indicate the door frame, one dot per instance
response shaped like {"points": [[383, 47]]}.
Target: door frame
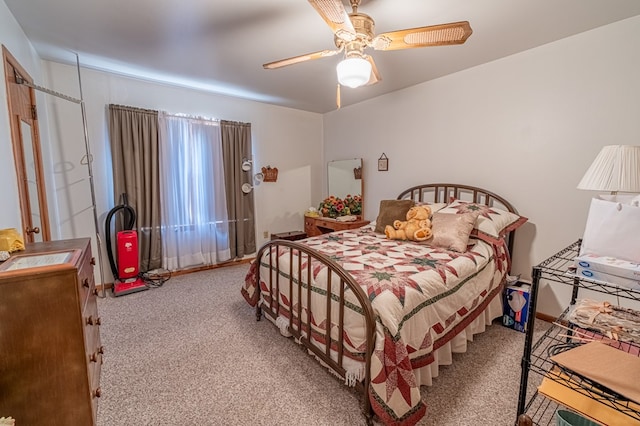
{"points": [[18, 112]]}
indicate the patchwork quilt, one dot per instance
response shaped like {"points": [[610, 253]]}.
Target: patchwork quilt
{"points": [[422, 297]]}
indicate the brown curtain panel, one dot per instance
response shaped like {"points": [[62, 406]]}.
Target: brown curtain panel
{"points": [[236, 146], [133, 133]]}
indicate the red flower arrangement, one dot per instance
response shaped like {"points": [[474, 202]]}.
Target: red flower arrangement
{"points": [[333, 206]]}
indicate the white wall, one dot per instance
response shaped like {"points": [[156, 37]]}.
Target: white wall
{"points": [[288, 139], [526, 127]]}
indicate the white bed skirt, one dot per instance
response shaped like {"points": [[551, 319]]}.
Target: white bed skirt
{"points": [[442, 355], [458, 344]]}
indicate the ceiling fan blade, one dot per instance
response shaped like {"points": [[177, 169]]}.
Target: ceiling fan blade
{"points": [[301, 58], [435, 35], [336, 16], [375, 75]]}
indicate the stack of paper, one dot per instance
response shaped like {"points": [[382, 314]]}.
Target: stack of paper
{"points": [[611, 369]]}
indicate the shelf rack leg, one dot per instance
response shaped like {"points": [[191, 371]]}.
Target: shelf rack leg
{"points": [[528, 341]]}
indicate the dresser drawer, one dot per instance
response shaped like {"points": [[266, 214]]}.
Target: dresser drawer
{"points": [[86, 280], [92, 323]]}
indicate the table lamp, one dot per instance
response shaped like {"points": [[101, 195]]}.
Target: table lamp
{"points": [[615, 169]]}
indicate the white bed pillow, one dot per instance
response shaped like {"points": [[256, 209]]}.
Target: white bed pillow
{"points": [[492, 224]]}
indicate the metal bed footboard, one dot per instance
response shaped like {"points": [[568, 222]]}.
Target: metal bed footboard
{"points": [[302, 261]]}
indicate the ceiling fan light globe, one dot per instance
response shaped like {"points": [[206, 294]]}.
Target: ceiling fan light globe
{"points": [[354, 72]]}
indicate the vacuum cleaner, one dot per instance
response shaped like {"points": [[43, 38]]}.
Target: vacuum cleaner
{"points": [[126, 266]]}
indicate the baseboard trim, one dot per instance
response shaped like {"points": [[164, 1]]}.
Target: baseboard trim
{"points": [[545, 317], [209, 267], [106, 286]]}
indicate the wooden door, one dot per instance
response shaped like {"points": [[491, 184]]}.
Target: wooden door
{"points": [[26, 151]]}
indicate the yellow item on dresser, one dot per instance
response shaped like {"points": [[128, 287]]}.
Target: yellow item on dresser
{"points": [[10, 240]]}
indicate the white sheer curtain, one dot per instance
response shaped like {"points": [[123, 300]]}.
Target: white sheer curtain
{"points": [[195, 227]]}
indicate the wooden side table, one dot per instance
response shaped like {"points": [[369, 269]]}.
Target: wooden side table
{"points": [[291, 236], [314, 226]]}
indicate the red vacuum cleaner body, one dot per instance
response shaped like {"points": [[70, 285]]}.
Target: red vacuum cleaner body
{"points": [[128, 265], [127, 249], [125, 265]]}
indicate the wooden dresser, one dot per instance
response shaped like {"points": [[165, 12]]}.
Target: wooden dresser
{"points": [[50, 350], [314, 226]]}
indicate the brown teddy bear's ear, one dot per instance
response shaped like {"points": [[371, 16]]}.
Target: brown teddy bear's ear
{"points": [[412, 212], [422, 212]]}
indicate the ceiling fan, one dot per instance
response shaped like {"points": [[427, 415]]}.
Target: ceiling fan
{"points": [[354, 32]]}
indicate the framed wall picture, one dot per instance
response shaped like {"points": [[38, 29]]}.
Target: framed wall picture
{"points": [[383, 163]]}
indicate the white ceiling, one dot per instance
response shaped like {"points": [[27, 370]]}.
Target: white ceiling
{"points": [[220, 45]]}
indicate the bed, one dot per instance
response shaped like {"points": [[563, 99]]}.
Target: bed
{"points": [[397, 309]]}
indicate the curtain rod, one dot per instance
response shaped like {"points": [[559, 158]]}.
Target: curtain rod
{"points": [[131, 108], [192, 117], [237, 123]]}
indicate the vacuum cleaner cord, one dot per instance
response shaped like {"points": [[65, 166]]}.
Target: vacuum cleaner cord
{"points": [[156, 277]]}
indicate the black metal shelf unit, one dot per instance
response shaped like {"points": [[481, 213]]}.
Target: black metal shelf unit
{"points": [[536, 355]]}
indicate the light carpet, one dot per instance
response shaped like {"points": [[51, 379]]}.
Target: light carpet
{"points": [[192, 353]]}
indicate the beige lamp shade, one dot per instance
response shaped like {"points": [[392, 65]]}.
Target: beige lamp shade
{"points": [[615, 169]]}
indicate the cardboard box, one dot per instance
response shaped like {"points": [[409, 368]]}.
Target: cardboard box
{"points": [[608, 278], [609, 270], [516, 306], [609, 265]]}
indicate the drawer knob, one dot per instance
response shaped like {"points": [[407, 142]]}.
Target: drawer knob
{"points": [[93, 261], [101, 350], [85, 282], [97, 393], [93, 357], [93, 321], [95, 292]]}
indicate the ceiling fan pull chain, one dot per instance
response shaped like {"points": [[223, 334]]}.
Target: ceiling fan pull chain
{"points": [[338, 103]]}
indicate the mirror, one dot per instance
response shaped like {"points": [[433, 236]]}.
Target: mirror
{"points": [[31, 179], [344, 177]]}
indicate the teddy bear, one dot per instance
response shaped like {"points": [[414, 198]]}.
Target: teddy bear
{"points": [[417, 227], [395, 234], [421, 212]]}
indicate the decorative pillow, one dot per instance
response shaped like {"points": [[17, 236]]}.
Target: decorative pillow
{"points": [[391, 210], [492, 224], [451, 231], [435, 207]]}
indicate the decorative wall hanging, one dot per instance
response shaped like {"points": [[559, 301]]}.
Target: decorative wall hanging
{"points": [[270, 174], [383, 163], [246, 188], [246, 165], [357, 172]]}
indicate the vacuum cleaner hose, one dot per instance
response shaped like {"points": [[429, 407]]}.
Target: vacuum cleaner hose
{"points": [[129, 220]]}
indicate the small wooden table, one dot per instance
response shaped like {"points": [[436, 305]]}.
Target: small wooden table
{"points": [[291, 236], [314, 226]]}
